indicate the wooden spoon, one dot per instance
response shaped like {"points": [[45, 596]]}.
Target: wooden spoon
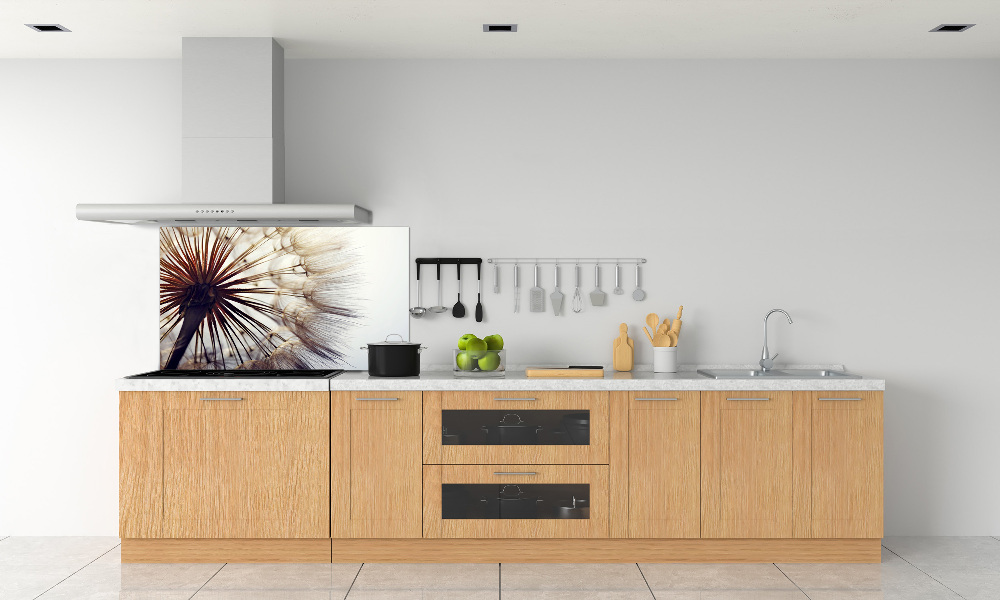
{"points": [[653, 321], [673, 338], [649, 336]]}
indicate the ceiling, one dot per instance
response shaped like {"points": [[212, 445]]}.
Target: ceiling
{"points": [[546, 28]]}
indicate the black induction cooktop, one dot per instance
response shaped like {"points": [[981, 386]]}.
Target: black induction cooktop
{"points": [[238, 374]]}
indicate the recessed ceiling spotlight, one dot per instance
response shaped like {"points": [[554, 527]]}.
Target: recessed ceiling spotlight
{"points": [[952, 27], [44, 28], [507, 27]]}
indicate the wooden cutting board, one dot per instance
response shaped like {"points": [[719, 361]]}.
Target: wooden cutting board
{"points": [[564, 372]]}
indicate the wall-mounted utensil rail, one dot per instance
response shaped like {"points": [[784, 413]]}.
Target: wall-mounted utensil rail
{"points": [[566, 261]]}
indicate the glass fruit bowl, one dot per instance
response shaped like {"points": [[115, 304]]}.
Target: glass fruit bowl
{"points": [[485, 363]]}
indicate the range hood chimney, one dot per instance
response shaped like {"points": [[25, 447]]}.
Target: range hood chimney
{"points": [[233, 128]]}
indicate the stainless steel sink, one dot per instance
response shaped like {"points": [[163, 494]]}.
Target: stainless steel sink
{"points": [[777, 374]]}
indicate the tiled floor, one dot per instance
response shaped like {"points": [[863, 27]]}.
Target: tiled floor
{"points": [[90, 569]]}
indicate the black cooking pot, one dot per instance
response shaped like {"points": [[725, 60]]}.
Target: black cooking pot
{"points": [[393, 359]]}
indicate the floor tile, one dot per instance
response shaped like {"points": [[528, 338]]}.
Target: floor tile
{"points": [[840, 577], [271, 594], [426, 582], [335, 577], [137, 577], [565, 581], [971, 584], [24, 582], [665, 577], [957, 552], [63, 551]]}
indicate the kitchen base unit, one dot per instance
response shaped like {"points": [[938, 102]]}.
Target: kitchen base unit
{"points": [[436, 469]]}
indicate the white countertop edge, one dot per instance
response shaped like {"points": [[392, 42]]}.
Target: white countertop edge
{"points": [[640, 379]]}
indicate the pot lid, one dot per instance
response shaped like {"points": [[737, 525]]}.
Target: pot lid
{"points": [[399, 342]]}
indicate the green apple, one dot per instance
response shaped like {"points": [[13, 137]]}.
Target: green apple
{"points": [[490, 361], [465, 361], [494, 342], [462, 341], [476, 347]]}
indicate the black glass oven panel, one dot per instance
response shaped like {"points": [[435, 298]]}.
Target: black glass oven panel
{"points": [[515, 427], [515, 501]]}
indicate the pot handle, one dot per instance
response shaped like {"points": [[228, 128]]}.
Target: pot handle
{"points": [[421, 348], [394, 334]]}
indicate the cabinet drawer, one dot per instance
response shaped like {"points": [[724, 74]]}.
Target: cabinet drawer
{"points": [[238, 400], [516, 427], [515, 501]]}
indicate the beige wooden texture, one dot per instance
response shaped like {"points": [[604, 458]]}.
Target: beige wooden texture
{"points": [[225, 550], [594, 527], [664, 465], [257, 467], [595, 453], [746, 465], [618, 475], [847, 464], [594, 550], [569, 373], [140, 466], [801, 465], [385, 480]]}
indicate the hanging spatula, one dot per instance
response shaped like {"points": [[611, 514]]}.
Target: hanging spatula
{"points": [[557, 296], [597, 297], [536, 296]]}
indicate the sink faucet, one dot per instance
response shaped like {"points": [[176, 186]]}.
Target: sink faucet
{"points": [[766, 360]]}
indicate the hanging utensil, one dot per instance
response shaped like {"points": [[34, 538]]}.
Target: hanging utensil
{"points": [[597, 297], [536, 295], [618, 287], [459, 310], [418, 310], [577, 296], [557, 296], [638, 295], [440, 308], [496, 279], [517, 288], [479, 297]]}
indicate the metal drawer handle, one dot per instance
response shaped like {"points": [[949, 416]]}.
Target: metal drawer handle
{"points": [[656, 399], [377, 399], [757, 399], [225, 399], [515, 399], [514, 473], [839, 399]]}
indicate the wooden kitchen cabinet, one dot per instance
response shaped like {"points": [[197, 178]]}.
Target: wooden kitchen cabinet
{"points": [[839, 488], [376, 478], [224, 464], [664, 447], [746, 465]]}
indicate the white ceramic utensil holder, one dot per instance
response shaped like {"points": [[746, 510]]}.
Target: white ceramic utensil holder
{"points": [[664, 359]]}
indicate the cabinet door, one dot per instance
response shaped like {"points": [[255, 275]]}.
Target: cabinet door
{"points": [[246, 465], [140, 468], [376, 465], [746, 446], [847, 464], [663, 458]]}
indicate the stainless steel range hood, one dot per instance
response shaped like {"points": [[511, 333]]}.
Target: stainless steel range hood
{"points": [[233, 168]]}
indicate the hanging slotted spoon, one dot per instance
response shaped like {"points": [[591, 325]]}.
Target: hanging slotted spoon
{"points": [[439, 308]]}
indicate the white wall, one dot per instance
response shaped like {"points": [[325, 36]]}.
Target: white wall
{"points": [[858, 195]]}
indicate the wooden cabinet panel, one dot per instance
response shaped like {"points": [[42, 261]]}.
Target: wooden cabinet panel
{"points": [[663, 460], [746, 459], [596, 452], [497, 476], [140, 469], [376, 466], [246, 465], [847, 464]]}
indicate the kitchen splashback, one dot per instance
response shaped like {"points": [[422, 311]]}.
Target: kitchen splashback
{"points": [[280, 298]]}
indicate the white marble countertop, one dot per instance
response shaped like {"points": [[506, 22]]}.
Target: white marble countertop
{"points": [[640, 379]]}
